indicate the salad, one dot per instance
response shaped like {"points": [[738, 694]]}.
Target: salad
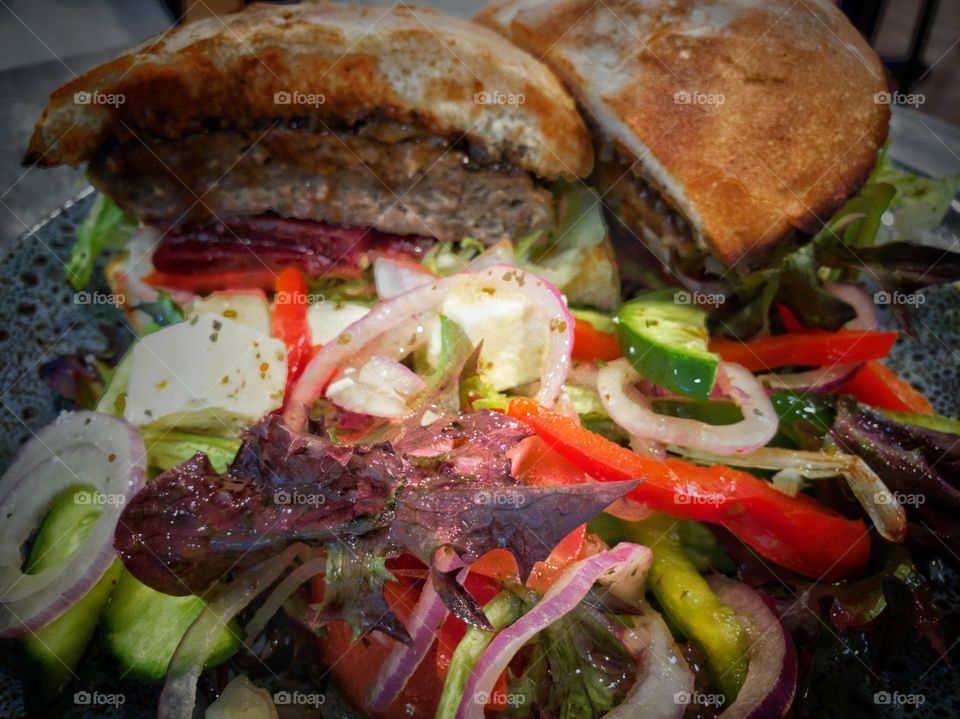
{"points": [[460, 495]]}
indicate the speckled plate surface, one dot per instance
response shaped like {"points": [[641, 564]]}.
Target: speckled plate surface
{"points": [[43, 319]]}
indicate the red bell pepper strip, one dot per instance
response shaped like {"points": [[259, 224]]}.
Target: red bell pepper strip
{"points": [[204, 282], [591, 344], [810, 349], [790, 322], [288, 321], [878, 386], [795, 532]]}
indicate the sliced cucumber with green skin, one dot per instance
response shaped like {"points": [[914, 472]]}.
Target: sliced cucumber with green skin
{"points": [[52, 652], [666, 342], [142, 628]]}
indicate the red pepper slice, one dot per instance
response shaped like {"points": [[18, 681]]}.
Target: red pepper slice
{"points": [[810, 349], [205, 282], [879, 386], [288, 321], [795, 532], [590, 344]]}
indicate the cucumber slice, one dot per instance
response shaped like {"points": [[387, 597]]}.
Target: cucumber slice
{"points": [[52, 652], [666, 342], [142, 628]]}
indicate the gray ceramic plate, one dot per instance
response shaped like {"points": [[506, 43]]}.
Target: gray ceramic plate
{"points": [[43, 320]]}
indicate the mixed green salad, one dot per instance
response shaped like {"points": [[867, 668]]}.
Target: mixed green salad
{"points": [[483, 481]]}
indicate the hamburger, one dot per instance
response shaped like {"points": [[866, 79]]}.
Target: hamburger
{"points": [[725, 131], [317, 136]]}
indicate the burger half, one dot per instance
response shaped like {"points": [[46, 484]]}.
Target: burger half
{"points": [[317, 136], [728, 134]]}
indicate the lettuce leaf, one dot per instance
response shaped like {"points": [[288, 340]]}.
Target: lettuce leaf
{"points": [[105, 227], [920, 203]]}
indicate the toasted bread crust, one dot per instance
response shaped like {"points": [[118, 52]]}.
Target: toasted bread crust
{"points": [[404, 63], [782, 122]]}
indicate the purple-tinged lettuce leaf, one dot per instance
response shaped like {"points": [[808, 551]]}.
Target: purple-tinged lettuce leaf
{"points": [[188, 527], [81, 377], [920, 466], [353, 587], [364, 503], [527, 521]]}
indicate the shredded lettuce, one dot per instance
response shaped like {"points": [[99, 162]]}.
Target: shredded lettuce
{"points": [[105, 227]]}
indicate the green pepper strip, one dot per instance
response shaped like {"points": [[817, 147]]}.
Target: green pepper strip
{"points": [[502, 610], [691, 605]]}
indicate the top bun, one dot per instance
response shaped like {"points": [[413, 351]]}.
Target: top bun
{"points": [[754, 119], [333, 63]]}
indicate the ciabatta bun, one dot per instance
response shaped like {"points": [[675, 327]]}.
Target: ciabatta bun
{"points": [[402, 63], [755, 119]]}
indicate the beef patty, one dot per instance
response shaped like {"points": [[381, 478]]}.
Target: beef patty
{"points": [[393, 178]]}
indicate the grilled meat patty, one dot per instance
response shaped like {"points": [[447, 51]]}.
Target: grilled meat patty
{"points": [[393, 178]]}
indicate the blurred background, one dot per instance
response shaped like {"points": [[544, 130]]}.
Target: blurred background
{"points": [[45, 43]]}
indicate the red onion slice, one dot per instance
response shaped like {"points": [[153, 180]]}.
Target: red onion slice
{"points": [[291, 583], [544, 300], [633, 412], [179, 693], [404, 659], [566, 593], [382, 387], [393, 278], [861, 301], [663, 673], [80, 448], [771, 681], [823, 380], [498, 254]]}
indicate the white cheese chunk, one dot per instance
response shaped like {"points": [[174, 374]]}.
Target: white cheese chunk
{"points": [[249, 308], [209, 373], [514, 337], [328, 320]]}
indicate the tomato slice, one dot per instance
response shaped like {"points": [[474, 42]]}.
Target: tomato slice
{"points": [[483, 589], [796, 532], [879, 386]]}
